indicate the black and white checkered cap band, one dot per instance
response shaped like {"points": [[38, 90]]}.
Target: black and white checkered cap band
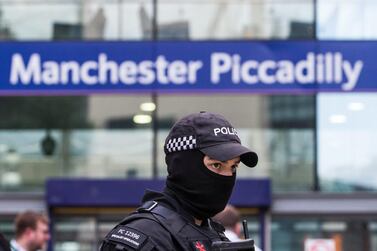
{"points": [[181, 144]]}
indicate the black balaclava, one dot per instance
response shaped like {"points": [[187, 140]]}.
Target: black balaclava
{"points": [[202, 192]]}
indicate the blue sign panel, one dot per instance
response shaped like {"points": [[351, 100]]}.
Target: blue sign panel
{"points": [[128, 193], [166, 66]]}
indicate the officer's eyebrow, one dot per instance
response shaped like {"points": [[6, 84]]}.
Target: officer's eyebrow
{"points": [[223, 162], [213, 159], [237, 162]]}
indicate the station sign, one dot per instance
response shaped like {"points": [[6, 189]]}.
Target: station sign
{"points": [[187, 66]]}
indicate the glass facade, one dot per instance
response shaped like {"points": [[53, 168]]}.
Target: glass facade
{"points": [[73, 20], [322, 143], [89, 137], [77, 232], [97, 137], [345, 234], [132, 20], [347, 19], [346, 132], [346, 124]]}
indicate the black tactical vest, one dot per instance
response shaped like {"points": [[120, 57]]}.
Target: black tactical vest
{"points": [[185, 235]]}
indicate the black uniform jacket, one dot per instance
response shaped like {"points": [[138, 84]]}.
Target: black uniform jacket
{"points": [[162, 224]]}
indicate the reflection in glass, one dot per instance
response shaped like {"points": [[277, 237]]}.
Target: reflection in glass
{"points": [[293, 234], [44, 137], [75, 234], [346, 19], [23, 165], [235, 19], [347, 155], [79, 153], [278, 128], [71, 20], [291, 159], [132, 20]]}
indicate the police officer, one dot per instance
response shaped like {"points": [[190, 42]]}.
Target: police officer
{"points": [[203, 152]]}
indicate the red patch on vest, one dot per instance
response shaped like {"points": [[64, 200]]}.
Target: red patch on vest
{"points": [[200, 246]]}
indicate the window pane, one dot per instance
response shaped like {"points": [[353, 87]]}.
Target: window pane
{"points": [[346, 19], [372, 226], [73, 231], [127, 19], [28, 20], [231, 19], [284, 143], [292, 156], [294, 234], [73, 20], [76, 234], [93, 136], [7, 226], [346, 138], [96, 136]]}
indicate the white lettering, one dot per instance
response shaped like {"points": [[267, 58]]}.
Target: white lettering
{"points": [[106, 68], [245, 72], [320, 69], [194, 67], [177, 72], [103, 71], [128, 72], [327, 68], [236, 69], [147, 75], [50, 73], [263, 72], [21, 73], [330, 68], [305, 70], [161, 65], [220, 63], [216, 131], [132, 234], [225, 131], [352, 74], [338, 67], [125, 238], [85, 75], [67, 68], [285, 71]]}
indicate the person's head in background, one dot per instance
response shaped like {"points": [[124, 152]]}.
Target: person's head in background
{"points": [[32, 230], [230, 218]]}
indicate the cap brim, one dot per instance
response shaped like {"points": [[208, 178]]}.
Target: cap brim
{"points": [[227, 151]]}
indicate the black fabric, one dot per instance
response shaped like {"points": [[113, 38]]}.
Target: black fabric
{"points": [[148, 223], [168, 200], [201, 192]]}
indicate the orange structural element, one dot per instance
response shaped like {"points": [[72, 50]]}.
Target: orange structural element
{"points": [[338, 242]]}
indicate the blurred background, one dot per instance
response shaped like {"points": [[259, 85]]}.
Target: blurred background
{"points": [[317, 150]]}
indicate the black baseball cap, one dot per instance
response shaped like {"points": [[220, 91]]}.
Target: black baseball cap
{"points": [[210, 133]]}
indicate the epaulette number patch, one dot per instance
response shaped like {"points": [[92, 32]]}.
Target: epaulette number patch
{"points": [[128, 236]]}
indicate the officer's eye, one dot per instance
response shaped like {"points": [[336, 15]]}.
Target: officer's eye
{"points": [[216, 165], [234, 168]]}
